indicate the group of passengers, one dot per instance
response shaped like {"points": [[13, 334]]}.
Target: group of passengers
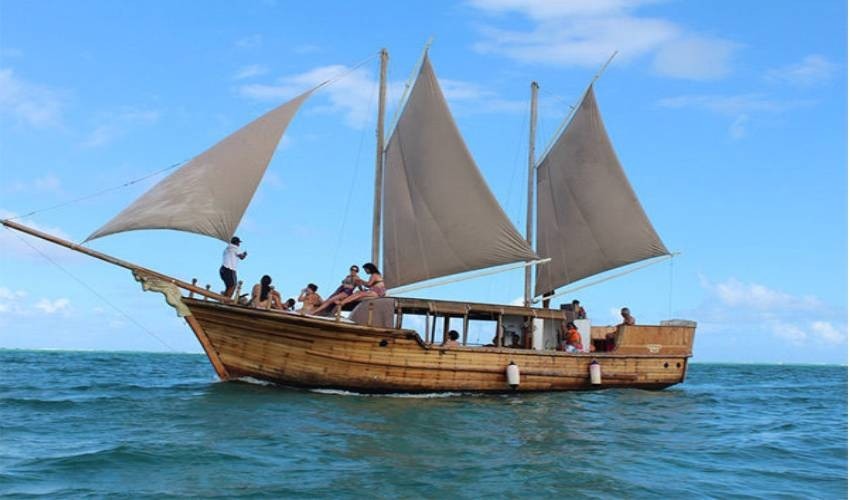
{"points": [[263, 295]]}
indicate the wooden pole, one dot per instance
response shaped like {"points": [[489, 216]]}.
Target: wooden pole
{"points": [[465, 325], [446, 329], [110, 259], [529, 211], [379, 160]]}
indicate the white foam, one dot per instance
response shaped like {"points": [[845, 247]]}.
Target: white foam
{"points": [[426, 395]]}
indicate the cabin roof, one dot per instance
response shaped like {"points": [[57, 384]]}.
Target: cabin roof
{"points": [[474, 310]]}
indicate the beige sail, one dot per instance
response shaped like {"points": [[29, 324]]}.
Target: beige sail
{"points": [[209, 194], [440, 217], [588, 217]]}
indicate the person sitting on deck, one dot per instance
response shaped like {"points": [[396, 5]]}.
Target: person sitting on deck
{"points": [[289, 305], [572, 338], [264, 296], [349, 284], [310, 299], [375, 287], [578, 311], [628, 319], [452, 342]]}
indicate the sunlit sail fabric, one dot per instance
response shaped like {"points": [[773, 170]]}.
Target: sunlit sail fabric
{"points": [[588, 217], [440, 217], [209, 194]]}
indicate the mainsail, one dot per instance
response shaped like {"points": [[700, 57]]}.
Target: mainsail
{"points": [[440, 217], [210, 193], [588, 217]]}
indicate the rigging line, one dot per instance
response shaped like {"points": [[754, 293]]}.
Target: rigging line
{"points": [[486, 272], [98, 193], [556, 96], [407, 86], [345, 73], [670, 292], [569, 117], [175, 165], [93, 291], [354, 177], [509, 197], [658, 260]]}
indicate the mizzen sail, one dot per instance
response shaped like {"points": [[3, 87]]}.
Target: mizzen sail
{"points": [[209, 194], [440, 218], [588, 217]]}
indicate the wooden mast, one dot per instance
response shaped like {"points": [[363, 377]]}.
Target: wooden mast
{"points": [[112, 260], [379, 160], [529, 221]]}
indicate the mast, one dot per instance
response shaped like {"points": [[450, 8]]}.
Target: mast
{"points": [[379, 159], [529, 224]]}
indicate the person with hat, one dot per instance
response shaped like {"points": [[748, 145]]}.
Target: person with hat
{"points": [[230, 258]]}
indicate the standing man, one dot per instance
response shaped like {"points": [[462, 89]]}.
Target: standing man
{"points": [[228, 266]]}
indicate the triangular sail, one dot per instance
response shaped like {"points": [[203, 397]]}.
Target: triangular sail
{"points": [[588, 217], [210, 193], [440, 218]]}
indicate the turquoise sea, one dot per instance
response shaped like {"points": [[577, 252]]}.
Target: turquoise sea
{"points": [[96, 424]]}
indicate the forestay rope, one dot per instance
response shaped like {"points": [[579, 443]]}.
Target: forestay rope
{"points": [[92, 290]]}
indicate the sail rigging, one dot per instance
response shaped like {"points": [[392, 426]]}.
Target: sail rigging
{"points": [[210, 193], [439, 216], [589, 219]]}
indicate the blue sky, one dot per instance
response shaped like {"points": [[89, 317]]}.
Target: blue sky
{"points": [[730, 122]]}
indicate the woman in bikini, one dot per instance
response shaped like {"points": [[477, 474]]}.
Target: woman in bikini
{"points": [[310, 299], [375, 287], [349, 283], [264, 296]]}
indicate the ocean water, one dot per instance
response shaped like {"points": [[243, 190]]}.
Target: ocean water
{"points": [[91, 425]]}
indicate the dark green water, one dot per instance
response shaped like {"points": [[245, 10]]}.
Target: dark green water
{"points": [[76, 424]]}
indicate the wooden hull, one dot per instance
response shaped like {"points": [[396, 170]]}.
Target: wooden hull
{"points": [[301, 351]]}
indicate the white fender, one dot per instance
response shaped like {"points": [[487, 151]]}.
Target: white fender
{"points": [[595, 373], [512, 372]]}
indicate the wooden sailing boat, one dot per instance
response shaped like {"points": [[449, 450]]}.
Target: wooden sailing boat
{"points": [[439, 219]]}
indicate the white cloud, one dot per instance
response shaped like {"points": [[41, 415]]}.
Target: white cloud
{"points": [[48, 306], [812, 70], [353, 95], [250, 42], [731, 105], [581, 33], [250, 71], [113, 125], [738, 128], [734, 293], [695, 58], [36, 105], [739, 307], [14, 302], [740, 107]]}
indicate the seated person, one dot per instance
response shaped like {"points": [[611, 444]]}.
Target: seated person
{"points": [[310, 299], [628, 319], [349, 284], [452, 342], [571, 338], [579, 311], [515, 341], [264, 296], [289, 305], [375, 287]]}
